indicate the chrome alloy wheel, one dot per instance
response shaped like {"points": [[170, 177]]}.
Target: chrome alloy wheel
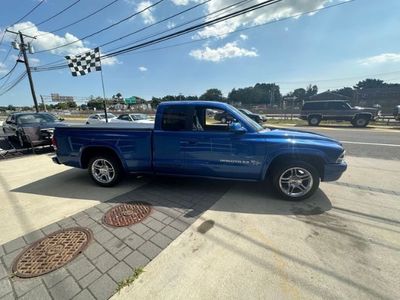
{"points": [[296, 182], [103, 171]]}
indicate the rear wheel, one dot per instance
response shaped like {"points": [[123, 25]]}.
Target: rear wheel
{"points": [[295, 180], [314, 120], [223, 120], [105, 170]]}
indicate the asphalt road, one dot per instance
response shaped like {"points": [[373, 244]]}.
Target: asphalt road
{"points": [[367, 142]]}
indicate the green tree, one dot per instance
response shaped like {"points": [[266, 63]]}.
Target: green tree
{"points": [[346, 91], [212, 95], [311, 90], [155, 102], [370, 83]]}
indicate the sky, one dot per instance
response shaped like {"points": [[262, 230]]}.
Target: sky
{"points": [[331, 48]]}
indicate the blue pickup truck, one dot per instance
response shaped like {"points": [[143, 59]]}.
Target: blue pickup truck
{"points": [[186, 140]]}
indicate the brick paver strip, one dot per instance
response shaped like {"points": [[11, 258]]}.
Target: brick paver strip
{"points": [[113, 253]]}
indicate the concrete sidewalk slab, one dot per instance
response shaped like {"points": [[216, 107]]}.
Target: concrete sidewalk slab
{"points": [[343, 243], [35, 192]]}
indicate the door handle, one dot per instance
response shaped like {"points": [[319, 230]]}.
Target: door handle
{"points": [[191, 142]]}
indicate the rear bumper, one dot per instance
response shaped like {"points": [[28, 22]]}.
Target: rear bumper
{"points": [[55, 160], [333, 172]]}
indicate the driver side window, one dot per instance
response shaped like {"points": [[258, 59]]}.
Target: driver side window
{"points": [[216, 119]]}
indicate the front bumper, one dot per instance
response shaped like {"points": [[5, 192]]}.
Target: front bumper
{"points": [[333, 172]]}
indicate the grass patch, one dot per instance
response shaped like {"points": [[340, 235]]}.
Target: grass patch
{"points": [[128, 281]]}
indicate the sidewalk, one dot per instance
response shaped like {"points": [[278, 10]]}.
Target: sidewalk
{"points": [[340, 244]]}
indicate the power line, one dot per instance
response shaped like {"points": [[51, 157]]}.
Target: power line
{"points": [[105, 28], [229, 7], [9, 72], [28, 13], [20, 19], [55, 67], [192, 28], [195, 27], [14, 84], [81, 19], [53, 16]]}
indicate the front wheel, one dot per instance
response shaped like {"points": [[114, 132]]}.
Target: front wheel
{"points": [[105, 170], [314, 120], [296, 180], [360, 122]]}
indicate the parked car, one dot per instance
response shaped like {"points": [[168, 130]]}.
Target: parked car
{"points": [[396, 112], [29, 127], [100, 118], [184, 142], [256, 117], [338, 110], [223, 117], [133, 117]]}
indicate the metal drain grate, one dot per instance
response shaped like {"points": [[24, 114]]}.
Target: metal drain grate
{"points": [[52, 252], [127, 214]]}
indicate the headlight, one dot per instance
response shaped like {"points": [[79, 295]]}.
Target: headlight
{"points": [[341, 158]]}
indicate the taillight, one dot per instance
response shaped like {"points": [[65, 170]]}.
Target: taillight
{"points": [[54, 142]]}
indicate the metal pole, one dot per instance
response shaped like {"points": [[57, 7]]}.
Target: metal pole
{"points": [[28, 70], [104, 92], [44, 105]]}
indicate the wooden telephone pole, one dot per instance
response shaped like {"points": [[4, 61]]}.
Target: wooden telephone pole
{"points": [[23, 47]]}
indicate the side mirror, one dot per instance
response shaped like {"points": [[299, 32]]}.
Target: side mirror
{"points": [[236, 127], [61, 119]]}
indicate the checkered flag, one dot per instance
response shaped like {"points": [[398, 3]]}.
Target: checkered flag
{"points": [[84, 63]]}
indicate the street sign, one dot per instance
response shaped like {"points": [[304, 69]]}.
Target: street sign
{"points": [[131, 100], [55, 97]]}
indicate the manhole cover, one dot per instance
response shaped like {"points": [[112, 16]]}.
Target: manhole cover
{"points": [[127, 214], [52, 252]]}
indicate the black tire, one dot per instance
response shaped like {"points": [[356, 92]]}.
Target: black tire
{"points": [[20, 140], [111, 160], [281, 169], [360, 121], [314, 120]]}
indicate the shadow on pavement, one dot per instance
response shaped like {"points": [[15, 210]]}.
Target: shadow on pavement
{"points": [[74, 183], [192, 194]]}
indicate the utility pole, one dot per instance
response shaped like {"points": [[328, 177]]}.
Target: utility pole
{"points": [[44, 105], [23, 47]]}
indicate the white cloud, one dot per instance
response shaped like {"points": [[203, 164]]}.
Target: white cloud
{"points": [[170, 25], [45, 40], [3, 68], [49, 40], [243, 37], [34, 61], [147, 15], [142, 69], [229, 50], [181, 2], [273, 12], [381, 59]]}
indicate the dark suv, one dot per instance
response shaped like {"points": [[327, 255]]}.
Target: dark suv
{"points": [[338, 110]]}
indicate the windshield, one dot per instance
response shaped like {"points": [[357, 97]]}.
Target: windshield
{"points": [[246, 111], [251, 122], [139, 117], [109, 115], [36, 118]]}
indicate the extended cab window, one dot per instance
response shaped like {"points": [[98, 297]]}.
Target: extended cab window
{"points": [[174, 119], [214, 119]]}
